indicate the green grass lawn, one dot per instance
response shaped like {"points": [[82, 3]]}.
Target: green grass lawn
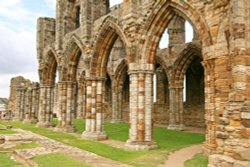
{"points": [[6, 161], [33, 144], [198, 160], [7, 131], [53, 160], [167, 141]]}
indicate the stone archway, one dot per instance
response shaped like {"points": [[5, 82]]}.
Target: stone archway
{"points": [[47, 74], [67, 88], [106, 38]]}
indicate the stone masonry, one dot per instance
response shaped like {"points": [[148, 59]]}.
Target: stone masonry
{"points": [[107, 62]]}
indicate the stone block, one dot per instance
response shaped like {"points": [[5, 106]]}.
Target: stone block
{"points": [[244, 153], [226, 164], [222, 135], [235, 123], [245, 115], [241, 164], [214, 159], [246, 123]]}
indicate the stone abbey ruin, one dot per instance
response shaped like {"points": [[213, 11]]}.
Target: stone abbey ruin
{"points": [[101, 63]]}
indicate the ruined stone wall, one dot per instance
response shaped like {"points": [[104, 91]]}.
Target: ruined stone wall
{"points": [[15, 83]]}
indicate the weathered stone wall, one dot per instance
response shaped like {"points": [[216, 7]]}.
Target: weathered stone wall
{"points": [[15, 83]]}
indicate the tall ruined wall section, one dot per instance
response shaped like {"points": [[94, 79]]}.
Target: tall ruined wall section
{"points": [[15, 84]]}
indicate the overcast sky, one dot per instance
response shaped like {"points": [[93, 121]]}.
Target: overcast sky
{"points": [[18, 38]]}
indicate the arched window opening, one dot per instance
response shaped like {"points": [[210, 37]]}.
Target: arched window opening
{"points": [[124, 104], [189, 32], [194, 95], [164, 42], [108, 90], [115, 2], [161, 96], [78, 16]]}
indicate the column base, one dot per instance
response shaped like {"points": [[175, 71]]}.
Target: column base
{"points": [[141, 146], [95, 135], [67, 129], [209, 149], [44, 124], [176, 127]]}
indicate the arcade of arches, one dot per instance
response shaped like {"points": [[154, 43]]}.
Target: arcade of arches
{"points": [[101, 63]]}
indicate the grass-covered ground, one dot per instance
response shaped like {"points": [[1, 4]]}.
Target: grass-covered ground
{"points": [[53, 160], [167, 141], [6, 161], [198, 160], [7, 131]]}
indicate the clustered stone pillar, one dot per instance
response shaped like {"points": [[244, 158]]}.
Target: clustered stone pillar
{"points": [[116, 104], [45, 116], [27, 105], [66, 106], [35, 103], [176, 108], [31, 103], [81, 101], [94, 109], [19, 113], [141, 101]]}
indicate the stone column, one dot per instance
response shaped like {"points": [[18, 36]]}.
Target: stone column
{"points": [[22, 104], [35, 103], [94, 109], [140, 106], [28, 105], [116, 104], [45, 116], [66, 106], [176, 108], [17, 104], [80, 101]]}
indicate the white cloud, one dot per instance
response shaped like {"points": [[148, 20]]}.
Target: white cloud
{"points": [[9, 3], [18, 41]]}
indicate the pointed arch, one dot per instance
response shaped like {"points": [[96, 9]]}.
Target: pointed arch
{"points": [[182, 63], [161, 16], [47, 71], [161, 61], [120, 72], [104, 42], [72, 55]]}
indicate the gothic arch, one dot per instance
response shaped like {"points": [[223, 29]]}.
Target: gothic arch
{"points": [[120, 72], [47, 71], [72, 55], [105, 39], [162, 14], [182, 63], [163, 64]]}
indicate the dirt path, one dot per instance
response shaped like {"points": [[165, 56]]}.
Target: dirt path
{"points": [[177, 158]]}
